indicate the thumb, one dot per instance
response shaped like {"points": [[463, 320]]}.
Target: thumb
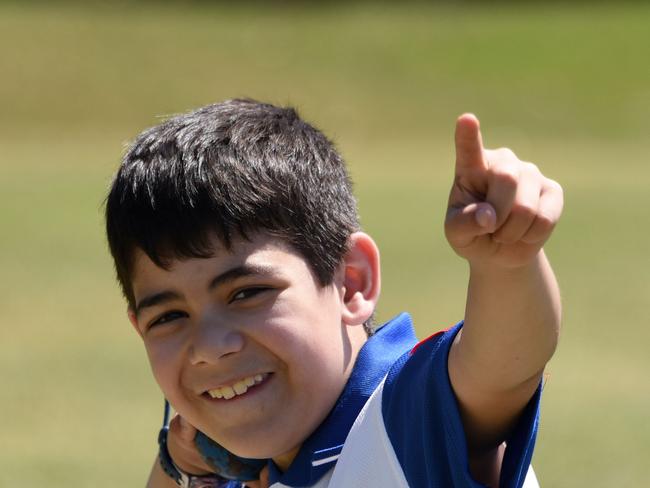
{"points": [[464, 224]]}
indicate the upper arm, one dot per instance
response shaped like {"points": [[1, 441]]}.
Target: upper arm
{"points": [[489, 416], [427, 428]]}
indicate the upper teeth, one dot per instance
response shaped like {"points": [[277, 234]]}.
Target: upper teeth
{"points": [[238, 388]]}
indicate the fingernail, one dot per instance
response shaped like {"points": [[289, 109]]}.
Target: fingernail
{"points": [[484, 216]]}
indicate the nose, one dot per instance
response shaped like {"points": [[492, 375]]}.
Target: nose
{"points": [[214, 339]]}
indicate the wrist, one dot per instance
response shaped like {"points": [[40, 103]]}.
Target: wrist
{"points": [[487, 267]]}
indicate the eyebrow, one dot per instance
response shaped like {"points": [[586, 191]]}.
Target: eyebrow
{"points": [[227, 276], [155, 299]]}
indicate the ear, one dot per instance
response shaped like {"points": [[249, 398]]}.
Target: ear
{"points": [[134, 320], [361, 279]]}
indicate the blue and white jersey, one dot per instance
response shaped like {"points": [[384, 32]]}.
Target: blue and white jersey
{"points": [[397, 424]]}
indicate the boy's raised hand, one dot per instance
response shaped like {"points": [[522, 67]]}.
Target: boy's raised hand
{"points": [[501, 210]]}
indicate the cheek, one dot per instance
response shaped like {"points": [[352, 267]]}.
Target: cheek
{"points": [[299, 334], [313, 351], [165, 360]]}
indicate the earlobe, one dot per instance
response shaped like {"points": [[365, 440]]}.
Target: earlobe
{"points": [[361, 279]]}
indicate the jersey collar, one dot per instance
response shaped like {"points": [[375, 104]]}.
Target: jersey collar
{"points": [[322, 448]]}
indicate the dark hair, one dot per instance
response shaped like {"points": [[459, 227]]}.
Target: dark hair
{"points": [[230, 170]]}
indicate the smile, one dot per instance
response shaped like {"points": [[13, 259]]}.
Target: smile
{"points": [[239, 388]]}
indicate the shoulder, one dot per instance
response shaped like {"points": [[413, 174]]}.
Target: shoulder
{"points": [[423, 365], [422, 420]]}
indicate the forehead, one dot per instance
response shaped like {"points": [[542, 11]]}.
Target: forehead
{"points": [[270, 255]]}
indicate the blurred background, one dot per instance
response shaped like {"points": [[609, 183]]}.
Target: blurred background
{"points": [[566, 85]]}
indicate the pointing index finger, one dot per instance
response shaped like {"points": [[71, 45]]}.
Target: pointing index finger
{"points": [[469, 145]]}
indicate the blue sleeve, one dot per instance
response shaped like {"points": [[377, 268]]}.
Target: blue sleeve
{"points": [[424, 426]]}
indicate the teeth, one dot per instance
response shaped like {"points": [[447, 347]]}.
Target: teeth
{"points": [[228, 392], [216, 393], [239, 388]]}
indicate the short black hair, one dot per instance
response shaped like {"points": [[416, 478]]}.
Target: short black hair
{"points": [[230, 169]]}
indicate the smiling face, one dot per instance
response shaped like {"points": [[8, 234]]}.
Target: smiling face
{"points": [[246, 345]]}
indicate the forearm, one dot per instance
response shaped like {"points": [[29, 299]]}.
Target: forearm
{"points": [[158, 478], [512, 323], [501, 212]]}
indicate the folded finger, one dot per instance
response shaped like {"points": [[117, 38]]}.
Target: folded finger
{"points": [[181, 427], [551, 202], [524, 207], [503, 179]]}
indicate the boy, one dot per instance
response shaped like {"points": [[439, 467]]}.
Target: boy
{"points": [[237, 245]]}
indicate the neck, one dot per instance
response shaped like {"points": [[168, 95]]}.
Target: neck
{"points": [[283, 461]]}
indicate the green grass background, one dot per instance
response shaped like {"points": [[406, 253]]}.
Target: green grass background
{"points": [[567, 87]]}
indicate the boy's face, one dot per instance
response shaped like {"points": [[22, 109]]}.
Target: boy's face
{"points": [[254, 316]]}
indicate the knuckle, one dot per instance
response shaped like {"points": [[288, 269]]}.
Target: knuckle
{"points": [[555, 186], [524, 211], [544, 223], [176, 431], [531, 168], [175, 423], [506, 152]]}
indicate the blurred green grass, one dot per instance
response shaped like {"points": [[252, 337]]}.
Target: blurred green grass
{"points": [[565, 86]]}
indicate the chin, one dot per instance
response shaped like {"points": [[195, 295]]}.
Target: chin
{"points": [[254, 450], [246, 447]]}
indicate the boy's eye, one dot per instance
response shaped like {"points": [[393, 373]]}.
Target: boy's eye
{"points": [[168, 317], [245, 293]]}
